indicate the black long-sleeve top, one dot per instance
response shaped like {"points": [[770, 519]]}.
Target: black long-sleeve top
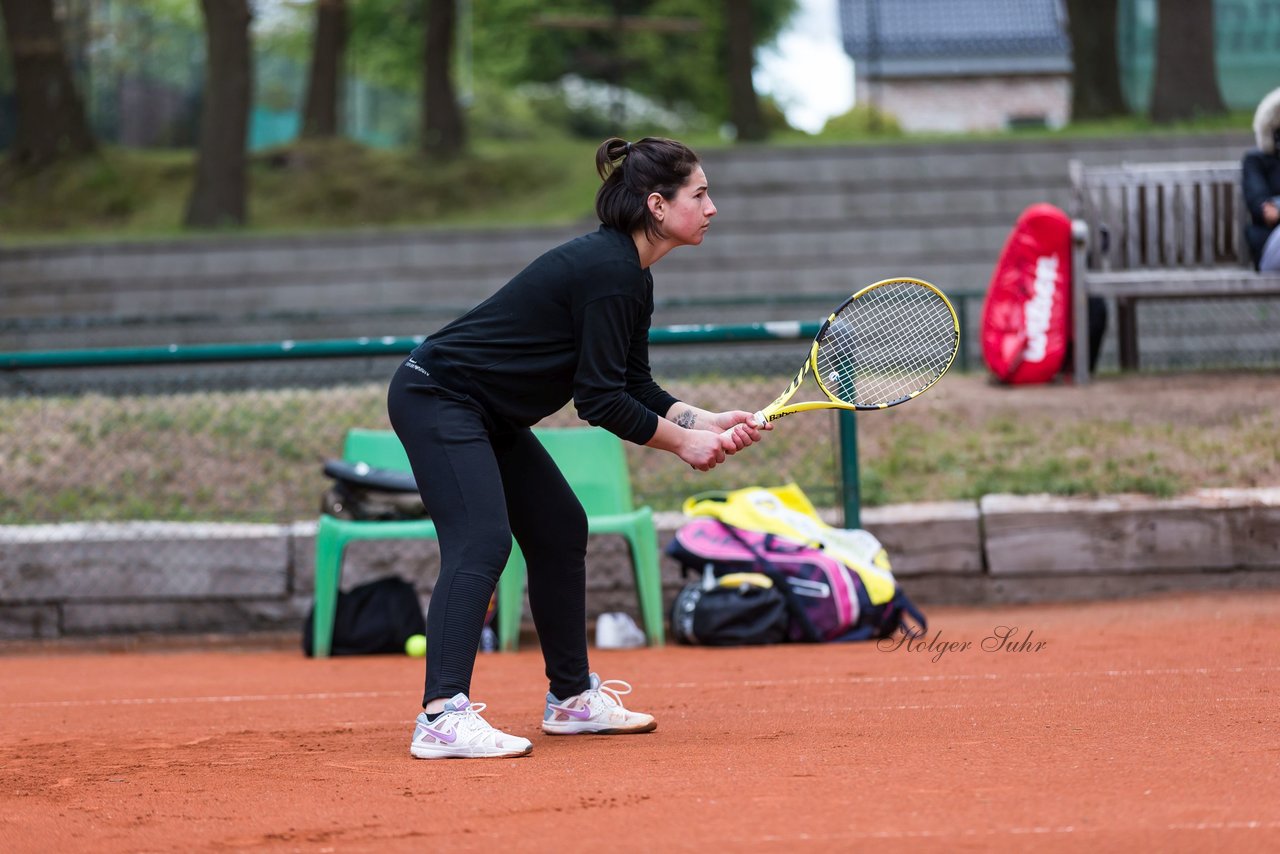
{"points": [[1259, 182], [573, 325]]}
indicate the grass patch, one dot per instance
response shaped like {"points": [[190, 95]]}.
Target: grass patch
{"points": [[305, 187], [257, 456], [999, 453]]}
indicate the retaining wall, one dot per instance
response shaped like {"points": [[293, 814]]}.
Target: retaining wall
{"points": [[95, 579]]}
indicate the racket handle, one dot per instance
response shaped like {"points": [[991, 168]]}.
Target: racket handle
{"points": [[760, 419]]}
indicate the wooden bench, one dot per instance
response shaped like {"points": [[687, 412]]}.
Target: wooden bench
{"points": [[1156, 231]]}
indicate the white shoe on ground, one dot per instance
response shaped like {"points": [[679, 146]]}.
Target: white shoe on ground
{"points": [[460, 733], [616, 630], [597, 710]]}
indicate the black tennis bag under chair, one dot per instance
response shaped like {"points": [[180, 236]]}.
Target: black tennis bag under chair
{"points": [[373, 618], [364, 493], [716, 613]]}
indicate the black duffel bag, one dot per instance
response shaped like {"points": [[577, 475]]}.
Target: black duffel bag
{"points": [[738, 615], [372, 618]]}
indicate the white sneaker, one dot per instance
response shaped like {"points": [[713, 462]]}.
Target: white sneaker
{"points": [[597, 710], [460, 733], [616, 630]]}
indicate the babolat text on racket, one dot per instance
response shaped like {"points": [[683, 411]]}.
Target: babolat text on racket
{"points": [[888, 343]]}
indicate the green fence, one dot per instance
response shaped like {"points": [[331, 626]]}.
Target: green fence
{"points": [[174, 487], [239, 433]]}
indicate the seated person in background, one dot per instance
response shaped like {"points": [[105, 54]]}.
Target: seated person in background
{"points": [[1260, 182]]}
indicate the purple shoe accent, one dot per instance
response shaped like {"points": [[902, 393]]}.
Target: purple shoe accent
{"points": [[444, 737], [579, 714]]}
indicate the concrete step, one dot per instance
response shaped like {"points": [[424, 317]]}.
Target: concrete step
{"points": [[970, 162], [84, 267], [820, 219], [739, 209]]}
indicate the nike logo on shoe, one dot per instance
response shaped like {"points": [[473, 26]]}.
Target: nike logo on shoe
{"points": [[578, 714], [446, 737]]}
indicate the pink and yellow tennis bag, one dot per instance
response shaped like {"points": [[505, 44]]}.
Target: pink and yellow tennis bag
{"points": [[838, 582]]}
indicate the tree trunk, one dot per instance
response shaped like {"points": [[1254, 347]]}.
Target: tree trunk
{"points": [[1186, 83], [442, 129], [51, 115], [744, 105], [320, 117], [1095, 72], [219, 197]]}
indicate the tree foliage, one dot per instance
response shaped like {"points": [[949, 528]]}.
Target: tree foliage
{"points": [[512, 42], [676, 68], [386, 39]]}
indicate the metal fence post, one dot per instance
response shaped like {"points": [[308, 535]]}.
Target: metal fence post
{"points": [[849, 468]]}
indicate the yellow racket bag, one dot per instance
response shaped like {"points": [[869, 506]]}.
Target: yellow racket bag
{"points": [[839, 581]]}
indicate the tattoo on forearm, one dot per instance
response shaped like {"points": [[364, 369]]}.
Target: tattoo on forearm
{"points": [[686, 419]]}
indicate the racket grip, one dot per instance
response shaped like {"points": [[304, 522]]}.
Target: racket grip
{"points": [[760, 419]]}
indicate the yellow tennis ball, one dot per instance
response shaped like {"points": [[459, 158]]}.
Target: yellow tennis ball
{"points": [[416, 646]]}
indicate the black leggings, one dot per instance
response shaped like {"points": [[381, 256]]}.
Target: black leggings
{"points": [[482, 485]]}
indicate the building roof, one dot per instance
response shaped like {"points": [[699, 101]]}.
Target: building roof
{"points": [[913, 38]]}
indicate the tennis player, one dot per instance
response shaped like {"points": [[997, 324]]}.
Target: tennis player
{"points": [[573, 325]]}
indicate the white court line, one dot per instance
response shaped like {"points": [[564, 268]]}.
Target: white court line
{"points": [[1038, 703], [702, 684], [226, 698], [962, 677], [1215, 826], [1228, 825]]}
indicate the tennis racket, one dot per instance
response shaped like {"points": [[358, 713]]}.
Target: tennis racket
{"points": [[888, 343]]}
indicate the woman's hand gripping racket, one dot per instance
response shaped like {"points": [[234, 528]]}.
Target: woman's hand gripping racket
{"points": [[886, 344]]}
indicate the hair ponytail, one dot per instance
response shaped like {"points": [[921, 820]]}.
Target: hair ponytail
{"points": [[610, 154]]}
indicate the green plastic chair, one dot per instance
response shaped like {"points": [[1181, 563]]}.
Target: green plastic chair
{"points": [[594, 462], [380, 449]]}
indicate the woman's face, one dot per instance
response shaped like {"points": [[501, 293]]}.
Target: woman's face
{"points": [[685, 218]]}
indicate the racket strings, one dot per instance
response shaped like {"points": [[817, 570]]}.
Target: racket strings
{"points": [[888, 344]]}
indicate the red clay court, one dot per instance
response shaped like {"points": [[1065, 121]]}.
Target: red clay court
{"points": [[1138, 725]]}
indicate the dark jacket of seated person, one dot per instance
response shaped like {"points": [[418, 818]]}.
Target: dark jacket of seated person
{"points": [[1260, 183]]}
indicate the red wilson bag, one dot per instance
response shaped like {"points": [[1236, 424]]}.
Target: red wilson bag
{"points": [[1026, 319]]}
